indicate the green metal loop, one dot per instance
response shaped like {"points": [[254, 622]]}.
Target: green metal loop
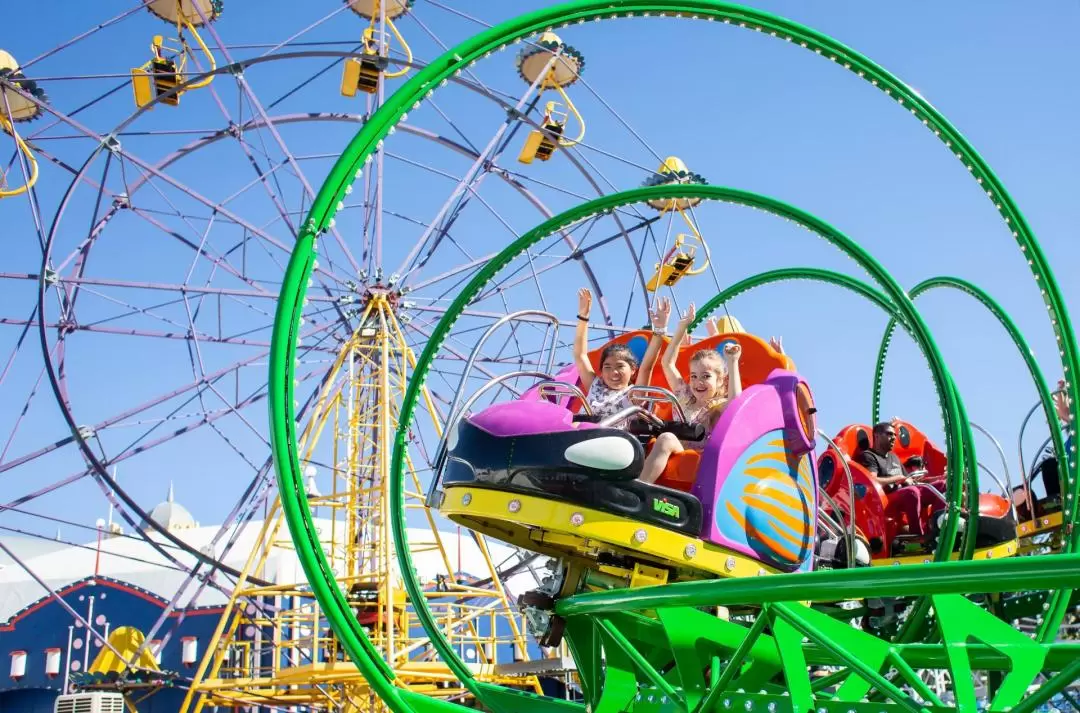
{"points": [[1026, 352], [605, 204]]}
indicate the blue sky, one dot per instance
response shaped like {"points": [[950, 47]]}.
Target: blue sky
{"points": [[743, 110]]}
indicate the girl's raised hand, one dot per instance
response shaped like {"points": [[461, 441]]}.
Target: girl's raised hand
{"points": [[584, 301], [660, 316], [777, 344], [1061, 402], [689, 315], [733, 350]]}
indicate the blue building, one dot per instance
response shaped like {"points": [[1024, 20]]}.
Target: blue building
{"points": [[116, 580], [120, 580]]}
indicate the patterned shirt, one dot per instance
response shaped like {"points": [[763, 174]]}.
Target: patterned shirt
{"points": [[605, 401]]}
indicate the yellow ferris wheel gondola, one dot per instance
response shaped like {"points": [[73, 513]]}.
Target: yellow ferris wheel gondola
{"points": [[165, 70], [362, 73], [550, 63], [679, 262], [16, 108]]}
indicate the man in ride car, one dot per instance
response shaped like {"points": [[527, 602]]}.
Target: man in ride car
{"points": [[883, 464], [880, 459]]}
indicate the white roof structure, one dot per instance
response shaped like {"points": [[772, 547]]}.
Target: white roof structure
{"points": [[172, 515], [131, 559]]}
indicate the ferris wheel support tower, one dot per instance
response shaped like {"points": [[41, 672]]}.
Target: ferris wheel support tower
{"points": [[272, 643]]}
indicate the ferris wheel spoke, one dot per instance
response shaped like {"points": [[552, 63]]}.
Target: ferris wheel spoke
{"points": [[468, 180], [292, 38], [66, 326], [199, 371], [622, 122], [81, 255], [45, 490], [160, 286], [146, 167], [24, 168], [83, 35], [438, 311], [471, 191], [186, 219], [202, 417], [247, 92], [149, 311], [138, 446], [26, 324], [135, 410], [26, 406], [459, 354], [215, 259]]}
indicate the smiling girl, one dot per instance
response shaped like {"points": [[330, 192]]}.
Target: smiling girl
{"points": [[714, 381], [607, 393]]}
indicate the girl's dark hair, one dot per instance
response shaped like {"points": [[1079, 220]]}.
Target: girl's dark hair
{"points": [[621, 352]]}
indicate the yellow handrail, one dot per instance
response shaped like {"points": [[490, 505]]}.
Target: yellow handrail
{"points": [[404, 46], [206, 51], [9, 127], [577, 115]]}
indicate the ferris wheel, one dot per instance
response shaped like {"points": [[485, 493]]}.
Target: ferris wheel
{"points": [[165, 208]]}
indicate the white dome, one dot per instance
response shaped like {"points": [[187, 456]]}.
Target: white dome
{"points": [[171, 515]]}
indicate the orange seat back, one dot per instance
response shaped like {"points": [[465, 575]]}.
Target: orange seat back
{"points": [[637, 341], [756, 362], [854, 439], [910, 441]]}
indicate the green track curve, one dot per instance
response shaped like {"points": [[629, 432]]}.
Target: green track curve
{"points": [[1017, 337], [423, 83], [894, 293]]}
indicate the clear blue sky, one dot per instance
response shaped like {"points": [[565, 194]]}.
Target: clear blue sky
{"points": [[741, 109]]}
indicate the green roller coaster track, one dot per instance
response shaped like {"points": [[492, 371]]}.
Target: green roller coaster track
{"points": [[1026, 352], [628, 660]]}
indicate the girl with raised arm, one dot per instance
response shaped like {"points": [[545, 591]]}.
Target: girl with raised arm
{"points": [[607, 393], [714, 381]]}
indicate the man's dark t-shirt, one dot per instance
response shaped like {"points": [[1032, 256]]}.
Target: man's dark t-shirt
{"points": [[883, 466]]}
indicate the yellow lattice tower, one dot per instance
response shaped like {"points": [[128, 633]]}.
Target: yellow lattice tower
{"points": [[271, 647]]}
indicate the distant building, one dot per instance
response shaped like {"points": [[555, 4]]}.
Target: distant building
{"points": [[126, 582]]}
